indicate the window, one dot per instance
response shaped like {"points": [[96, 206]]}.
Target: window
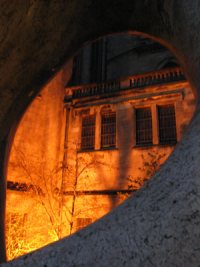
{"points": [[167, 124], [82, 222], [88, 132], [108, 130], [143, 126], [97, 61], [77, 69]]}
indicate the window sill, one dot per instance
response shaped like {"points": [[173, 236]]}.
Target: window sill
{"points": [[147, 146], [86, 150], [107, 148], [168, 144], [98, 150], [143, 145]]}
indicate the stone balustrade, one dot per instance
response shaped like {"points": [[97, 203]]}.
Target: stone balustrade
{"points": [[157, 77], [132, 82]]}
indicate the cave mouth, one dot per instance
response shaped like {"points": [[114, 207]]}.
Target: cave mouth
{"points": [[91, 139]]}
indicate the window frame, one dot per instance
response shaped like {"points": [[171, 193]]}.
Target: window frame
{"points": [[106, 134], [86, 138], [138, 141], [96, 61], [167, 141]]}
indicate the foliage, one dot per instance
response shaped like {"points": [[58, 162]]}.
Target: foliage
{"points": [[53, 206], [151, 162]]}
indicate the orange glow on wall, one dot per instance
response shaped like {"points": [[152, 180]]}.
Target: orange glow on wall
{"points": [[54, 188]]}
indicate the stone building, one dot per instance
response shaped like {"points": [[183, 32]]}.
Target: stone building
{"points": [[125, 108]]}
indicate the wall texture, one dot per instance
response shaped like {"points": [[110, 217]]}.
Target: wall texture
{"points": [[54, 186], [160, 225]]}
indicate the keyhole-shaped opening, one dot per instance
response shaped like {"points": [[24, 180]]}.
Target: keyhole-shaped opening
{"points": [[86, 144]]}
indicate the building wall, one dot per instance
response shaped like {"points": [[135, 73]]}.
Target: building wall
{"points": [[103, 178], [111, 169], [55, 188], [134, 55], [122, 55], [35, 170]]}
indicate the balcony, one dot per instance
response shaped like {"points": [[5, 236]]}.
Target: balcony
{"points": [[160, 77]]}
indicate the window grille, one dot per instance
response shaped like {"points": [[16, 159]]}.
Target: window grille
{"points": [[143, 126], [108, 130], [167, 124], [88, 132], [82, 222]]}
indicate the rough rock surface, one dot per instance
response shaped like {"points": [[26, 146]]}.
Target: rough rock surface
{"points": [[159, 226]]}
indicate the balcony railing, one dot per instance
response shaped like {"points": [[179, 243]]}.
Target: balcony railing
{"points": [[97, 89], [132, 82], [158, 77]]}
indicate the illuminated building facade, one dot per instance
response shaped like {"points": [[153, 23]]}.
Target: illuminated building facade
{"points": [[125, 108]]}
